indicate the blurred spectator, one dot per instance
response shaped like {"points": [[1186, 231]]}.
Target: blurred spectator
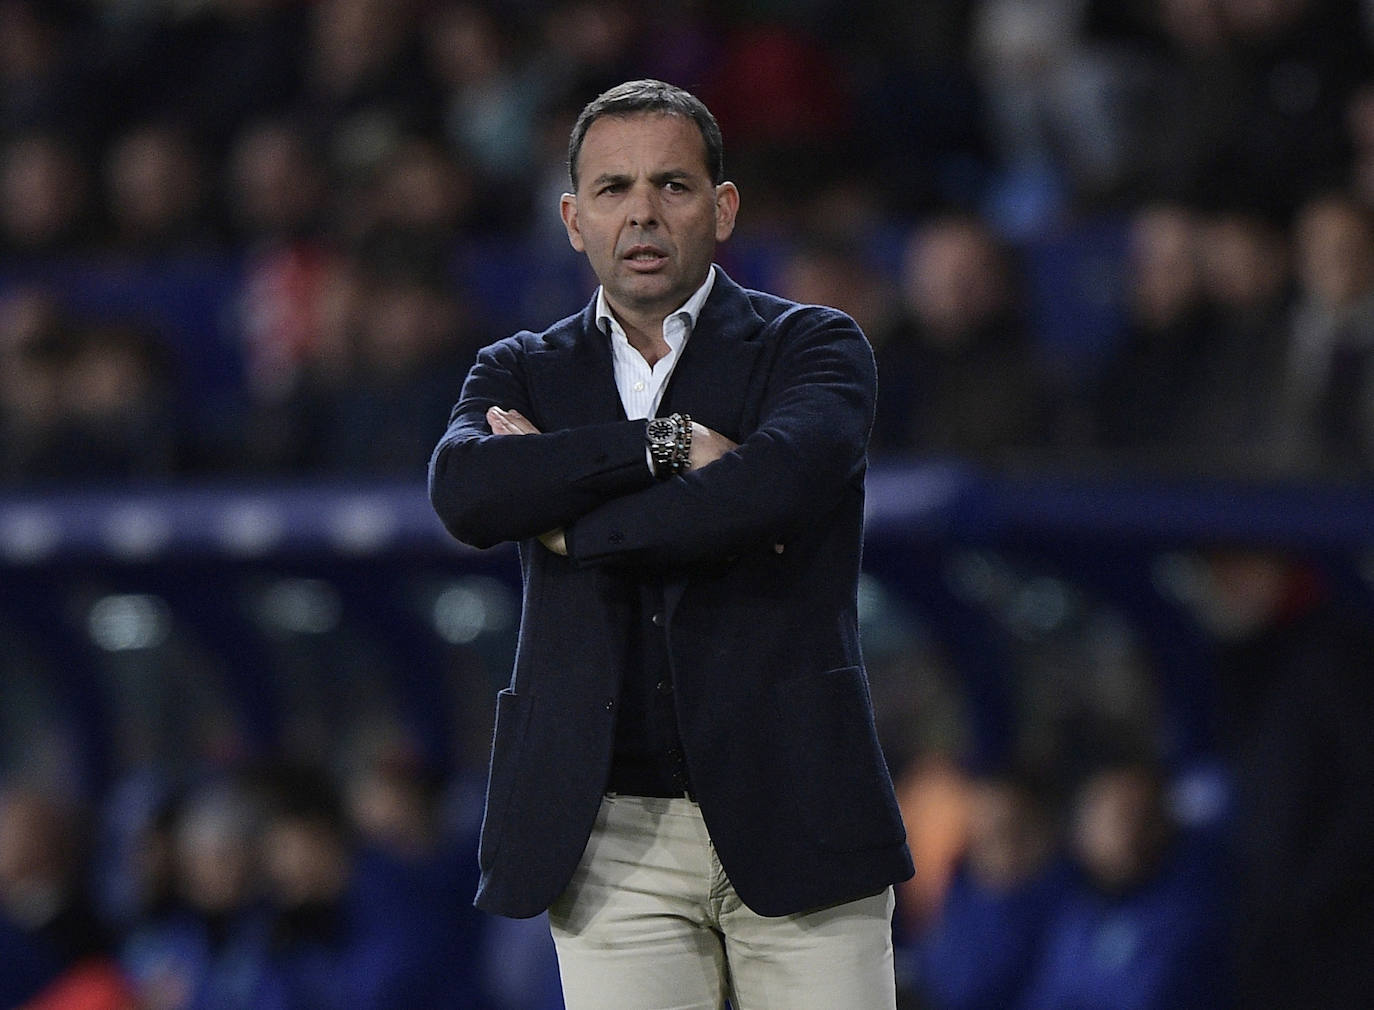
{"points": [[134, 867], [1329, 408], [591, 45], [299, 325], [306, 303], [422, 190], [319, 954], [491, 95], [1249, 99], [410, 350], [204, 948], [784, 103], [1143, 928], [33, 337], [44, 197], [921, 116], [1295, 706], [408, 850], [832, 273], [979, 951], [118, 392], [157, 195], [277, 209], [276, 189], [1061, 112], [377, 926], [1359, 126], [231, 60], [1154, 376], [1247, 279], [42, 82], [90, 403], [54, 954], [364, 85], [932, 790], [957, 371], [79, 402]]}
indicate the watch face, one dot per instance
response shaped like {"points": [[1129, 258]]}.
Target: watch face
{"points": [[661, 429]]}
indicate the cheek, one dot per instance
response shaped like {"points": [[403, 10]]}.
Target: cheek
{"points": [[596, 239]]}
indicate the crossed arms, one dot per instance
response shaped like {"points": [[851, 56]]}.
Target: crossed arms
{"points": [[707, 447], [802, 441]]}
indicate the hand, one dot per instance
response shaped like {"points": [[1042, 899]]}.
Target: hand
{"points": [[512, 422], [509, 422], [707, 446]]}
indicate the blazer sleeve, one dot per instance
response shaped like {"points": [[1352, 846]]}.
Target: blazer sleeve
{"points": [[809, 447], [491, 488]]}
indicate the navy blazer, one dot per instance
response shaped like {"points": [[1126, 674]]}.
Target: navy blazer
{"points": [[758, 555]]}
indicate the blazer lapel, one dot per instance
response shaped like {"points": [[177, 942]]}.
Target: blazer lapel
{"points": [[715, 381], [572, 380], [712, 381]]}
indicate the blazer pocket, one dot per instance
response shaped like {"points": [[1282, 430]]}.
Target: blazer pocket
{"points": [[507, 746], [838, 775]]}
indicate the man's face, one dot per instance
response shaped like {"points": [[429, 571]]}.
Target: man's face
{"points": [[646, 213]]}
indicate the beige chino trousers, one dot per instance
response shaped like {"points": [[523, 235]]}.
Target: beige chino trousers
{"points": [[650, 922]]}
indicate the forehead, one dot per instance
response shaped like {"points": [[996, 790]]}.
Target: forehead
{"points": [[642, 141]]}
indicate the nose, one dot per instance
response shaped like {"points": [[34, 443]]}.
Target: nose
{"points": [[642, 209]]}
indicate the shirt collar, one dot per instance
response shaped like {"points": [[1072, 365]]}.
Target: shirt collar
{"points": [[687, 313]]}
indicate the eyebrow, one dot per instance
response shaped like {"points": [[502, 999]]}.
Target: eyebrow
{"points": [[657, 178], [608, 177]]}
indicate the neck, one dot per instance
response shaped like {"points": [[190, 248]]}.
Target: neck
{"points": [[644, 332], [651, 345]]}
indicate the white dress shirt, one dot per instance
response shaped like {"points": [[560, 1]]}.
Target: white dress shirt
{"points": [[641, 386]]}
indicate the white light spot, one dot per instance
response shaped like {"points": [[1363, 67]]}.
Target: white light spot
{"points": [[29, 535], [301, 606], [471, 607], [129, 621], [251, 527], [361, 526], [137, 531]]}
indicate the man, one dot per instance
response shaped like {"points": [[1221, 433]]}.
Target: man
{"points": [[685, 771], [1142, 926]]}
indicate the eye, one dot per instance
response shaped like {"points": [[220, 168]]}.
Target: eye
{"points": [[674, 186]]}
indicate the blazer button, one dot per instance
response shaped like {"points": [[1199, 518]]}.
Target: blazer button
{"points": [[664, 687], [610, 704], [657, 619], [617, 537]]}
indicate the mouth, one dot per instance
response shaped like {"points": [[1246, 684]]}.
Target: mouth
{"points": [[645, 257]]}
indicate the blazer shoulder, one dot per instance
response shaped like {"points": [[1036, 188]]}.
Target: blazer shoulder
{"points": [[770, 310], [790, 323], [770, 307], [561, 335]]}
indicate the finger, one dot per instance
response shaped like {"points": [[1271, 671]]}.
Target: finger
{"points": [[520, 423], [500, 425]]}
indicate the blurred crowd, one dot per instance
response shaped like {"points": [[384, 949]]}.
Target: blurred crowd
{"points": [[1099, 871], [1082, 858], [1116, 233], [1133, 235], [263, 887]]}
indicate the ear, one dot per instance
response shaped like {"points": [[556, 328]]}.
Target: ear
{"points": [[727, 206], [567, 207]]}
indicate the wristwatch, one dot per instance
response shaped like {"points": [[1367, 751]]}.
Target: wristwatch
{"points": [[670, 443]]}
